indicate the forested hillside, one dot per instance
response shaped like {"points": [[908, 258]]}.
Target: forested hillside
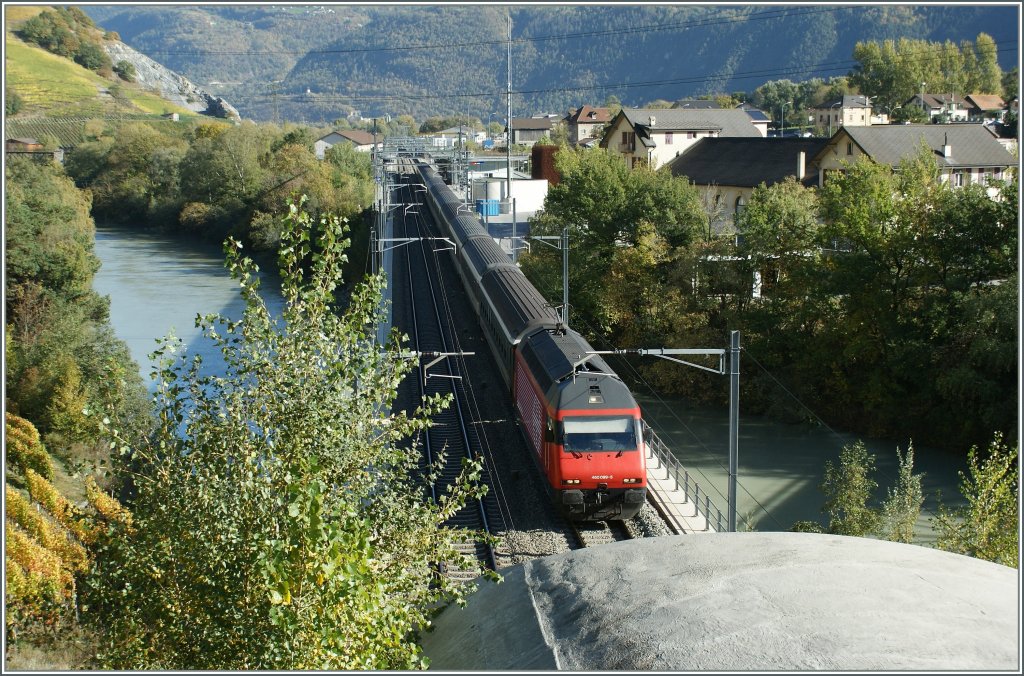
{"points": [[316, 62]]}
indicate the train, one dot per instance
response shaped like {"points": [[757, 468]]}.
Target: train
{"points": [[579, 419]]}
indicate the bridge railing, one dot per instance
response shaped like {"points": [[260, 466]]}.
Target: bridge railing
{"points": [[685, 483]]}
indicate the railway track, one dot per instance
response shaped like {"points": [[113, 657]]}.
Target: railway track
{"points": [[453, 435], [595, 533]]}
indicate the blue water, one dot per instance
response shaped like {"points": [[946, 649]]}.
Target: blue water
{"points": [[158, 284], [781, 466]]}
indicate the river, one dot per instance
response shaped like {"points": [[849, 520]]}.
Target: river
{"points": [[159, 283]]}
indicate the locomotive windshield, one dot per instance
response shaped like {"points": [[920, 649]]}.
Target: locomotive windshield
{"points": [[598, 433]]}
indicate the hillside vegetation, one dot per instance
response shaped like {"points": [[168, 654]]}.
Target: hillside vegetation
{"points": [[315, 63], [52, 86]]}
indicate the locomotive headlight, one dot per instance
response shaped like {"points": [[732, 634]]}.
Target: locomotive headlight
{"points": [[631, 481], [570, 482]]}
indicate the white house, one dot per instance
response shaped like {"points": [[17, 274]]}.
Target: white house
{"points": [[360, 140], [966, 153], [586, 122], [657, 135], [948, 107], [727, 170], [853, 110]]}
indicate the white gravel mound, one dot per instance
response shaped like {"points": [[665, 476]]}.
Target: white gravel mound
{"points": [[739, 602]]}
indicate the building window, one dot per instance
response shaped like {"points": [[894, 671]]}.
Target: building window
{"points": [[849, 147], [668, 138], [691, 134], [958, 179], [740, 205]]}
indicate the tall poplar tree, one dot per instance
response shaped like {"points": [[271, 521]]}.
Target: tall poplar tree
{"points": [[280, 522]]}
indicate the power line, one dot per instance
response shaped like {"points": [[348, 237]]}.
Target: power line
{"points": [[826, 67]]}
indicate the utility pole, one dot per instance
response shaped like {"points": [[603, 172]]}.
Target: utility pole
{"points": [[508, 96], [563, 246], [734, 424], [515, 249]]}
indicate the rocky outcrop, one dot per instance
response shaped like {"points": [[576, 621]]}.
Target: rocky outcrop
{"points": [[177, 89]]}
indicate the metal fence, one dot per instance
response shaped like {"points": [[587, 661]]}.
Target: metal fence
{"points": [[689, 486]]}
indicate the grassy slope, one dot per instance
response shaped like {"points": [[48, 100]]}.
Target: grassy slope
{"points": [[54, 86]]}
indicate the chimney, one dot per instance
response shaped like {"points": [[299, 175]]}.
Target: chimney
{"points": [[652, 120], [947, 150], [801, 165]]}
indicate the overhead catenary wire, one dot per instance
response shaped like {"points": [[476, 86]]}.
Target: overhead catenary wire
{"points": [[625, 30]]}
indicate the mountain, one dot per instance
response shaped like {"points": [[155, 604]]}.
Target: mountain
{"points": [[316, 63]]}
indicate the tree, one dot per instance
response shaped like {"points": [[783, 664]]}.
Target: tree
{"points": [[559, 135], [987, 527], [848, 488], [1010, 85], [989, 75], [13, 103], [902, 507], [225, 166], [605, 206], [279, 521], [125, 70], [771, 96], [92, 56]]}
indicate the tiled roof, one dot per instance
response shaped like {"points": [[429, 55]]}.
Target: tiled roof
{"points": [[756, 114], [848, 102], [524, 123], [729, 122], [583, 114], [940, 100], [986, 101], [971, 144], [745, 162], [357, 136]]}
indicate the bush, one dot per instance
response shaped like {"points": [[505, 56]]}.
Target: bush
{"points": [[125, 70], [25, 450], [987, 527], [13, 103], [91, 55]]}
